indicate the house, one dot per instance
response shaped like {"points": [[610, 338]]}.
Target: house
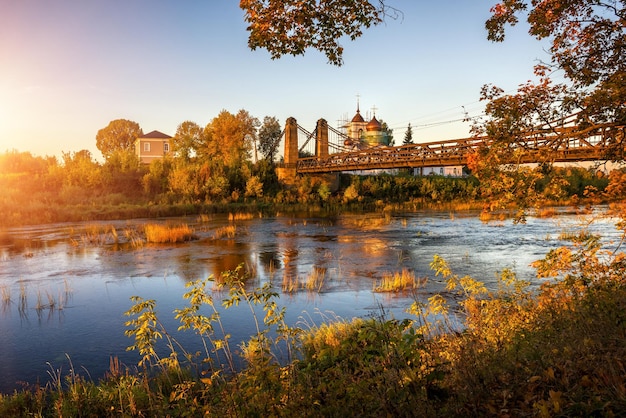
{"points": [[451, 171], [151, 146]]}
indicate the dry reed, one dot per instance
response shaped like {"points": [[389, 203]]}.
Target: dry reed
{"points": [[397, 282], [160, 234], [240, 216], [228, 231]]}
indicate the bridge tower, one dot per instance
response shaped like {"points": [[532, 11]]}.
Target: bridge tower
{"points": [[291, 143], [321, 139], [287, 173]]}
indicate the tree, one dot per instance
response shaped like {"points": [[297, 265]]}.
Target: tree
{"points": [[291, 26], [408, 135], [119, 135], [269, 138], [588, 46], [385, 128], [227, 138], [187, 139]]}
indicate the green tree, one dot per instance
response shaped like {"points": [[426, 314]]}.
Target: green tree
{"points": [[291, 26], [187, 140], [385, 128], [119, 134], [123, 173], [269, 138], [408, 136]]}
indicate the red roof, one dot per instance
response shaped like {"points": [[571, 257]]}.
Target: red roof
{"points": [[156, 135], [358, 117]]}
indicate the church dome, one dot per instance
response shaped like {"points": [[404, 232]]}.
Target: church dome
{"points": [[358, 117], [374, 125]]}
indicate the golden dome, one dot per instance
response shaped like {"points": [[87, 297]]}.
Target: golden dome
{"points": [[374, 125]]}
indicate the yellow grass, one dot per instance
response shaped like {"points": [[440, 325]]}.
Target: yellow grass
{"points": [[167, 234], [396, 282], [546, 213], [315, 280], [204, 218], [240, 216], [228, 231]]}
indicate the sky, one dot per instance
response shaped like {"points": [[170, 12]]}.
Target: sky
{"points": [[68, 68]]}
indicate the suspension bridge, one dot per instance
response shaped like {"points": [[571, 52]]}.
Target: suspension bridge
{"points": [[328, 150]]}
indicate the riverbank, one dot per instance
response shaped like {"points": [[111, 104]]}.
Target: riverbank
{"points": [[559, 352]]}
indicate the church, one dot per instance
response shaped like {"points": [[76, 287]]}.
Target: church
{"points": [[362, 134]]}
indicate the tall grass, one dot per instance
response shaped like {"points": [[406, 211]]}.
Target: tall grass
{"points": [[160, 234], [228, 231], [313, 282], [397, 282], [240, 216]]}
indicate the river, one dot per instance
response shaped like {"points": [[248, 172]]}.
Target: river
{"points": [[65, 288]]}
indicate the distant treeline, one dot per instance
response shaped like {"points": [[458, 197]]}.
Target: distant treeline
{"points": [[77, 187]]}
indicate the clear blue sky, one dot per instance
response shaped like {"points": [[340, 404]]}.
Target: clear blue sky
{"points": [[67, 68]]}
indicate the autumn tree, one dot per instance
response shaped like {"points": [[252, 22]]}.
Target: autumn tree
{"points": [[408, 136], [228, 138], [588, 47], [290, 27], [119, 134], [186, 140], [269, 138]]}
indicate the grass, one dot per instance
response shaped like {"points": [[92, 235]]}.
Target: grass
{"points": [[397, 282], [161, 234], [313, 282], [228, 231], [240, 216], [6, 295]]}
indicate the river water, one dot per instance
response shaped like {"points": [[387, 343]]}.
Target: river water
{"points": [[65, 288]]}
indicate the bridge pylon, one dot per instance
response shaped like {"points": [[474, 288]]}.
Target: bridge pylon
{"points": [[321, 139], [287, 173], [291, 142]]}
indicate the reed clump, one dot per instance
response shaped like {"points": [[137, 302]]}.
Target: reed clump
{"points": [[99, 234], [240, 216], [228, 231], [313, 282], [398, 282], [168, 234]]}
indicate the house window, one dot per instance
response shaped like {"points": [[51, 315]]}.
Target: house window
{"points": [[166, 147], [146, 147]]}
